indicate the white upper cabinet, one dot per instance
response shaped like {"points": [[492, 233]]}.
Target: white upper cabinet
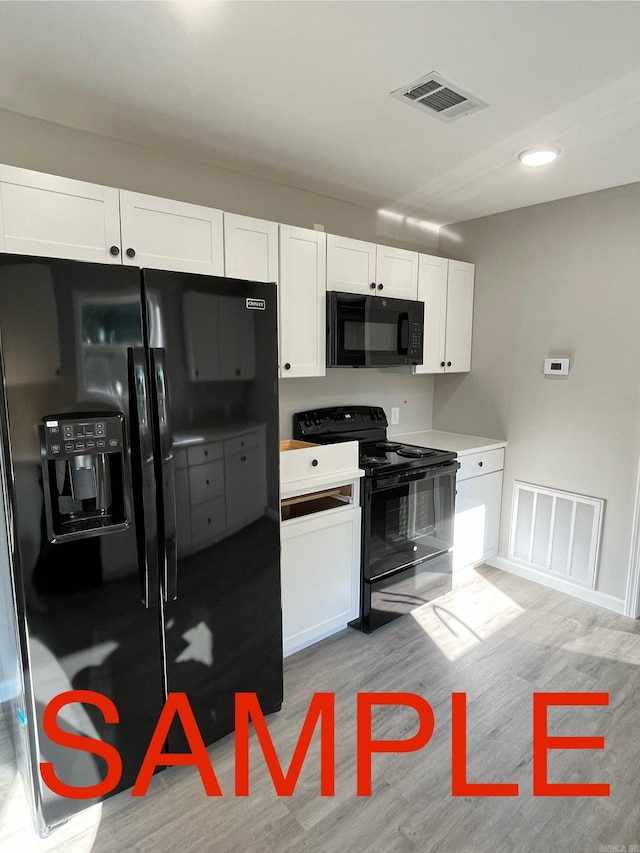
{"points": [[460, 283], [446, 288], [354, 266], [250, 248], [56, 217], [302, 302], [351, 265], [159, 233], [396, 273]]}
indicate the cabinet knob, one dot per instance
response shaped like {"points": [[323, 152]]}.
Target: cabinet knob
{"points": [[372, 286], [481, 464], [206, 453], [238, 372], [442, 364], [380, 286], [287, 366], [448, 364], [208, 481], [314, 462], [131, 253], [114, 250]]}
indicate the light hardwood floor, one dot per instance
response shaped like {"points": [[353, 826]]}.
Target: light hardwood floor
{"points": [[496, 637]]}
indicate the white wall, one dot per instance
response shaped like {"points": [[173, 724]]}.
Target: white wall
{"points": [[558, 279]]}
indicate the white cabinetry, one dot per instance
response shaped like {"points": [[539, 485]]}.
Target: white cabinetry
{"points": [[319, 595], [320, 536], [159, 233], [478, 501], [56, 217], [250, 248], [446, 288], [301, 300], [354, 266], [245, 479], [50, 216]]}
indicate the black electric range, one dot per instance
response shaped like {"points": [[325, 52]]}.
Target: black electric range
{"points": [[408, 502]]}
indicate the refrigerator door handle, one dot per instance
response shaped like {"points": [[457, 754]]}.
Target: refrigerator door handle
{"points": [[143, 474], [165, 474]]}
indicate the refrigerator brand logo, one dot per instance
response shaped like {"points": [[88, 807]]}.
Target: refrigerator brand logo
{"points": [[321, 715], [256, 304]]}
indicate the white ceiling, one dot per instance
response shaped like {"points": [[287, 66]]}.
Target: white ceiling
{"points": [[298, 92]]}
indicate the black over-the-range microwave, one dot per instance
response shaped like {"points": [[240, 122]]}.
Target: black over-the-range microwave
{"points": [[373, 331]]}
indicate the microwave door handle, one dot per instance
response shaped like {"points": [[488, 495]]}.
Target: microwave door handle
{"points": [[403, 333], [165, 476], [143, 485]]}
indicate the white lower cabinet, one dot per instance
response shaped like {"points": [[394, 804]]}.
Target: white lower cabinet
{"points": [[478, 502], [320, 577]]}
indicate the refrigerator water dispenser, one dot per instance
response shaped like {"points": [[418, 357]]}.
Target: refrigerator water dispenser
{"points": [[83, 472]]}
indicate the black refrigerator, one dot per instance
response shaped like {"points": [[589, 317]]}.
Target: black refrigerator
{"points": [[139, 420]]}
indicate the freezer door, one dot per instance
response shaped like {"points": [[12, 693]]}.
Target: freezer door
{"points": [[217, 342], [68, 330]]}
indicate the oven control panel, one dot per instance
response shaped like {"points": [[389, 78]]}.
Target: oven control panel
{"points": [[339, 420]]}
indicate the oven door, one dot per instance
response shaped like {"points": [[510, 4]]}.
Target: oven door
{"points": [[408, 518]]}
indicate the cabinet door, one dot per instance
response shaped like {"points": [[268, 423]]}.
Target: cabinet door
{"points": [[250, 248], [183, 512], [56, 217], [320, 576], [302, 303], [432, 290], [351, 265], [477, 519], [396, 273], [159, 233], [459, 317]]}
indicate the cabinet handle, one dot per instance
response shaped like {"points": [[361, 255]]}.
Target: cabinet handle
{"points": [[131, 253], [287, 366], [114, 250], [314, 462], [380, 286], [448, 364], [372, 286], [481, 464], [208, 481], [206, 453], [442, 364], [238, 372]]}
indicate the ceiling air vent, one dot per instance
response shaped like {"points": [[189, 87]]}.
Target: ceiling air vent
{"points": [[439, 97]]}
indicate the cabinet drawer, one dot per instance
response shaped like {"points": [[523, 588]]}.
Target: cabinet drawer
{"points": [[475, 464], [204, 453], [208, 520], [206, 482], [318, 461], [242, 442]]}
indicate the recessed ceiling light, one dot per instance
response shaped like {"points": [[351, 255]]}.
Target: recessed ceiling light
{"points": [[539, 156]]}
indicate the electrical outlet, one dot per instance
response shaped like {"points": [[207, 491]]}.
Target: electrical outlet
{"points": [[395, 415]]}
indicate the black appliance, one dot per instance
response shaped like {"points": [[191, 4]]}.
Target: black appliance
{"points": [[408, 503], [139, 425], [373, 331]]}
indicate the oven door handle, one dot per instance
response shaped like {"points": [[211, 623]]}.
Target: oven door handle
{"points": [[412, 476]]}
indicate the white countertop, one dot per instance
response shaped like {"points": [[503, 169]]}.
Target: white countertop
{"points": [[460, 444]]}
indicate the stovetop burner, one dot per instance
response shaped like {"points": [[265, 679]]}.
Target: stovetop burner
{"points": [[374, 460], [388, 445], [415, 452]]}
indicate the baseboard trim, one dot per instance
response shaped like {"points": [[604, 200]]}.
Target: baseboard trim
{"points": [[592, 596]]}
